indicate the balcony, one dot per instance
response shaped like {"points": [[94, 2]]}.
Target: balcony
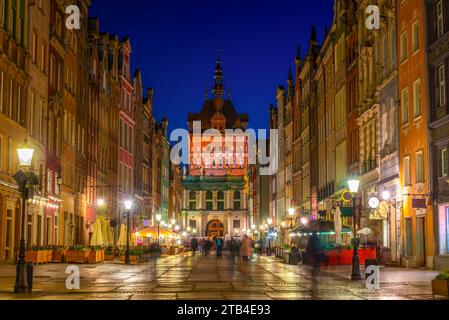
{"points": [[219, 183]]}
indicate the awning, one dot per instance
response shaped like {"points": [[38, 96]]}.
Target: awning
{"points": [[347, 211], [152, 232]]}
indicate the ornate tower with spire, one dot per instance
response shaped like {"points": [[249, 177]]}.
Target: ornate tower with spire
{"points": [[215, 189], [218, 88]]}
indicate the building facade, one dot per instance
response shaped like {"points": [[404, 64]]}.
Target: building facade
{"points": [[417, 217], [438, 113]]}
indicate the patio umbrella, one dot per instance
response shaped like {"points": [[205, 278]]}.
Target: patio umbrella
{"points": [[365, 231], [338, 225], [105, 231], [97, 236], [122, 237], [133, 239]]}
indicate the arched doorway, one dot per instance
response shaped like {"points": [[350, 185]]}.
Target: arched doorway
{"points": [[215, 228]]}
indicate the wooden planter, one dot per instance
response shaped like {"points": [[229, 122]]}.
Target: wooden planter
{"points": [[49, 256], [134, 259], [37, 257], [108, 257], [96, 256], [77, 256], [57, 256], [440, 288]]}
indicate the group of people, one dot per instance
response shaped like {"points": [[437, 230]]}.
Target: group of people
{"points": [[206, 245], [242, 248], [237, 248]]}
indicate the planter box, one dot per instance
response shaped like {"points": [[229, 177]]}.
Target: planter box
{"points": [[57, 256], [49, 256], [96, 256], [134, 259], [440, 288], [108, 257], [37, 257], [77, 256]]}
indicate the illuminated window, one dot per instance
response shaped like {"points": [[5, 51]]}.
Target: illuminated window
{"points": [[209, 201], [416, 34], [406, 171], [404, 47], [444, 162], [417, 98], [442, 85], [419, 167], [220, 200], [404, 105]]}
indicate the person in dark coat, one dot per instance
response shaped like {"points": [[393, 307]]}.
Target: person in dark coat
{"points": [[219, 243], [314, 259], [207, 247], [194, 245]]}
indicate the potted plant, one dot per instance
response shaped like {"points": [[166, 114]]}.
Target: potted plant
{"points": [[108, 254], [133, 255], [440, 285], [77, 254]]}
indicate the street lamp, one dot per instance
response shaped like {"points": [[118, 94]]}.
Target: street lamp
{"points": [[353, 185], [128, 206], [25, 180], [100, 202], [158, 220], [386, 195], [291, 213]]}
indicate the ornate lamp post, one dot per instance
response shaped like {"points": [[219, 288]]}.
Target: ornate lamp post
{"points": [[26, 180], [291, 213], [354, 188], [128, 206]]}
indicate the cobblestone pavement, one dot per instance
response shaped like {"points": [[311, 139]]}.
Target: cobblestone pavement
{"points": [[209, 278]]}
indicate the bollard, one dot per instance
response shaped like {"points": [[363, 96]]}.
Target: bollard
{"points": [[30, 266]]}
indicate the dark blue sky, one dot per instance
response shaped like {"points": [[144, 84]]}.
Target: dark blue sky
{"points": [[174, 44]]}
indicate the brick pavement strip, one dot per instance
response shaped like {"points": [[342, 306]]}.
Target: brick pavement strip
{"points": [[192, 278]]}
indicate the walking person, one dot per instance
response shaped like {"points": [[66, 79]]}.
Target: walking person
{"points": [[219, 245], [245, 250], [194, 245], [207, 247], [200, 246], [314, 259], [233, 248]]}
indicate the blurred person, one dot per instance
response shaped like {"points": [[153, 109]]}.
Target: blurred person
{"points": [[194, 245], [245, 250], [219, 245], [314, 259]]}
